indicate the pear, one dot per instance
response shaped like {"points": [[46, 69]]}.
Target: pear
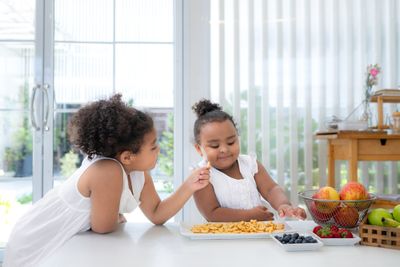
{"points": [[376, 215], [396, 212]]}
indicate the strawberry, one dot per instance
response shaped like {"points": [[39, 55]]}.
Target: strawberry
{"points": [[334, 228], [316, 229], [336, 235], [344, 233], [325, 232]]}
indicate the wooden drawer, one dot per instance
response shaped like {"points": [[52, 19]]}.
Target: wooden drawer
{"points": [[378, 147]]}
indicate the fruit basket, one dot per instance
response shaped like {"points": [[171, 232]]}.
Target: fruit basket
{"points": [[342, 213], [379, 236]]}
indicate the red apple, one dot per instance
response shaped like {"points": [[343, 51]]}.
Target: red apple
{"points": [[346, 217], [353, 191], [326, 193], [318, 216]]}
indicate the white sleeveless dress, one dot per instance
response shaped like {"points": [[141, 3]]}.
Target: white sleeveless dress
{"points": [[59, 215], [237, 194]]}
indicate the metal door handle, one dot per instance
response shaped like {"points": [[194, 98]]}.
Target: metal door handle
{"points": [[46, 116], [33, 118]]}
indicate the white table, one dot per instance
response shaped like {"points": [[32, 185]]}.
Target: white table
{"points": [[147, 245]]}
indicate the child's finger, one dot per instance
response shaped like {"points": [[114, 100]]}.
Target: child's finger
{"points": [[204, 178], [281, 213], [300, 214], [204, 175], [208, 165], [291, 212], [205, 181], [206, 171]]}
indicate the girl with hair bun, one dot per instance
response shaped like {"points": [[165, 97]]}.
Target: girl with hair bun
{"points": [[237, 182], [120, 144]]}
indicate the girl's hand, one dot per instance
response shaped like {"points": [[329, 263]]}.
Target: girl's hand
{"points": [[198, 179], [261, 213], [121, 218], [286, 210]]}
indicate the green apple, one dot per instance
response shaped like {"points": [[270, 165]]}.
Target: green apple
{"points": [[376, 215], [396, 213]]}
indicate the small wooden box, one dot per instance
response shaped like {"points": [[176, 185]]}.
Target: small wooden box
{"points": [[379, 236]]}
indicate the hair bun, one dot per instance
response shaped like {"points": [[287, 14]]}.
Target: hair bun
{"points": [[204, 106]]}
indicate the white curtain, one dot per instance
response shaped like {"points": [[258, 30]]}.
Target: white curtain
{"points": [[284, 67]]}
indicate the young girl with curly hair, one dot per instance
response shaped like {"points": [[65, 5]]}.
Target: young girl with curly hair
{"points": [[237, 182], [121, 147]]}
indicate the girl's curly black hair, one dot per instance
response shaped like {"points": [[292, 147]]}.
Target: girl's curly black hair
{"points": [[107, 127], [208, 112]]}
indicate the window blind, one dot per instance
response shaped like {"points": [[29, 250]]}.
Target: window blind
{"points": [[283, 68]]}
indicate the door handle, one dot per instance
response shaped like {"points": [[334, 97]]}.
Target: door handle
{"points": [[33, 118], [46, 116]]}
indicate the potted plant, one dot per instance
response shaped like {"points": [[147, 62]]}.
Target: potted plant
{"points": [[18, 155]]}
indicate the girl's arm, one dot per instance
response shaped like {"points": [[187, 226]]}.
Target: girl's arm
{"points": [[208, 205], [270, 190], [157, 211], [105, 188], [275, 195]]}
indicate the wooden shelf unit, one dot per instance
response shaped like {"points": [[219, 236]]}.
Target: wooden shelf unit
{"points": [[380, 100]]}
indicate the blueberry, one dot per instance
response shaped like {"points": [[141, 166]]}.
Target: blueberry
{"points": [[309, 238], [296, 235]]}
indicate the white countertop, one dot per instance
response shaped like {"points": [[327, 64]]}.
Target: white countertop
{"points": [[142, 244]]}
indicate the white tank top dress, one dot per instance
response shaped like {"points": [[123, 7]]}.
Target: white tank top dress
{"points": [[237, 194], [59, 215]]}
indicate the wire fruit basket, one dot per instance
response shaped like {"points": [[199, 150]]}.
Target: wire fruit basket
{"points": [[342, 213]]}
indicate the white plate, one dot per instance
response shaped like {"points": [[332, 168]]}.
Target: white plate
{"points": [[301, 246], [185, 231], [340, 241]]}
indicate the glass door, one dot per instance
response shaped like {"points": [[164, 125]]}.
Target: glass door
{"points": [[17, 80], [56, 56], [82, 60]]}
